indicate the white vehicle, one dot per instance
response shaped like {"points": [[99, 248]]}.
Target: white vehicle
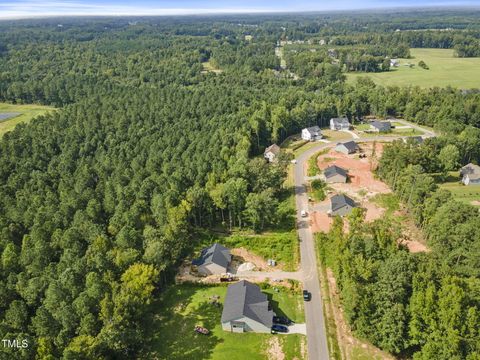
{"points": [[294, 161], [303, 213]]}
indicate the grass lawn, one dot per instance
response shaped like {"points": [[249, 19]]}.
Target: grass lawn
{"points": [[332, 135], [362, 127], [445, 69], [28, 112], [181, 307], [389, 202], [406, 132], [460, 192]]}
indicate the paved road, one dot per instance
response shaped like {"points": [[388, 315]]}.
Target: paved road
{"points": [[316, 333]]}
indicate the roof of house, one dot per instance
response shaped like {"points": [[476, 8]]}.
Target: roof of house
{"points": [[245, 299], [340, 121], [350, 145], [381, 125], [274, 148], [313, 129], [472, 170], [338, 201], [333, 171], [214, 254]]}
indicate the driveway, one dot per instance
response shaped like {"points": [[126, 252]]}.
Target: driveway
{"points": [[273, 275]]}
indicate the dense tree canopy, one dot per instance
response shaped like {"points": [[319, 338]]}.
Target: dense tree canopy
{"points": [[99, 200]]}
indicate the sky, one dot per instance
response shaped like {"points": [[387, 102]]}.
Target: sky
{"points": [[37, 8]]}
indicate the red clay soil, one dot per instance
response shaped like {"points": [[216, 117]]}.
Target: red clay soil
{"points": [[320, 222], [359, 170]]}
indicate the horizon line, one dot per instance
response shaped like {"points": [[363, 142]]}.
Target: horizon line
{"points": [[192, 12]]}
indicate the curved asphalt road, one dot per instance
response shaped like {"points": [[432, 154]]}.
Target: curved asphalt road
{"points": [[316, 333]]}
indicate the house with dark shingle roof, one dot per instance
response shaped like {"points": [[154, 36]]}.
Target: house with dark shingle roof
{"points": [[246, 308], [213, 260], [271, 152], [341, 205], [311, 133], [348, 147], [335, 174], [470, 174], [380, 126], [339, 124]]}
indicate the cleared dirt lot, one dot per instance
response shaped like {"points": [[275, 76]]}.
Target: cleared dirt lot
{"points": [[362, 184]]}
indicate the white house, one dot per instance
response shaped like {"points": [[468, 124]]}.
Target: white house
{"points": [[394, 63], [213, 260], [339, 124], [271, 153], [470, 174], [312, 133], [246, 308]]}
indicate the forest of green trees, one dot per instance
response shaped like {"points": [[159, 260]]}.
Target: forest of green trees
{"points": [[100, 200]]}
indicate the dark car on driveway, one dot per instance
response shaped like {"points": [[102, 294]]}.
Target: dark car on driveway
{"points": [[282, 320], [307, 296], [276, 328]]}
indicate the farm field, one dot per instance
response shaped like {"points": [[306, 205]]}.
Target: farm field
{"points": [[181, 307], [27, 113], [445, 70]]}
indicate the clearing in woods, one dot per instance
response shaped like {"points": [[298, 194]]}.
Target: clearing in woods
{"points": [[26, 113], [444, 70]]}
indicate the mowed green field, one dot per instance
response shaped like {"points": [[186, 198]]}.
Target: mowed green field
{"points": [[181, 307], [445, 69], [466, 194], [28, 112]]}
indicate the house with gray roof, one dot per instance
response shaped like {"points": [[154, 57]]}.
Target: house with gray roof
{"points": [[311, 133], [335, 174], [341, 123], [246, 309], [470, 174], [271, 153], [348, 147], [341, 205], [380, 126], [213, 260]]}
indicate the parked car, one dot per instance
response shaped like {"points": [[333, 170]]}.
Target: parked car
{"points": [[279, 328], [303, 213], [282, 320], [307, 296]]}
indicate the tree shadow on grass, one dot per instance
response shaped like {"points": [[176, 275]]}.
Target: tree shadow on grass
{"points": [[171, 332]]}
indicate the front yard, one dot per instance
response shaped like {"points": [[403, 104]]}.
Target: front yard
{"points": [[181, 307]]}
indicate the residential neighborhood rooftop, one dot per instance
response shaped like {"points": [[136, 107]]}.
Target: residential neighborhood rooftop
{"points": [[274, 148], [313, 129], [216, 253], [341, 121], [245, 299], [381, 125], [350, 145], [340, 200], [334, 170]]}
